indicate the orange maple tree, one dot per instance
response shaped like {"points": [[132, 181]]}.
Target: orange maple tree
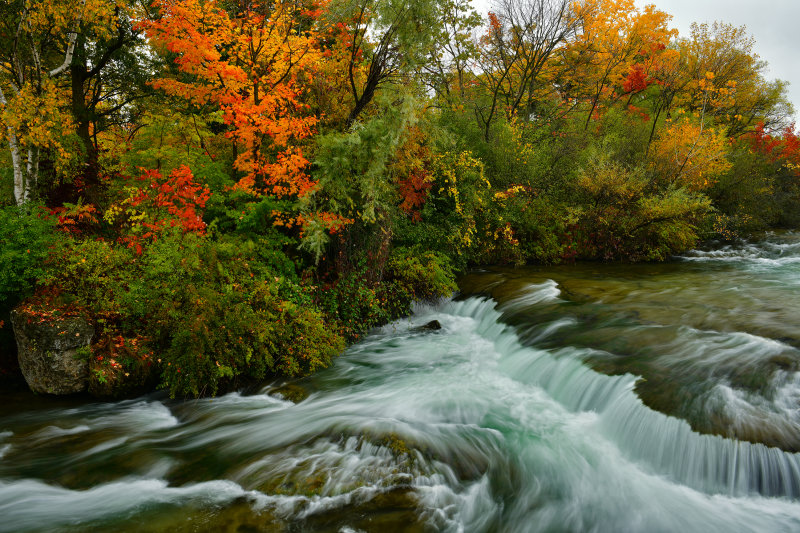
{"points": [[250, 65]]}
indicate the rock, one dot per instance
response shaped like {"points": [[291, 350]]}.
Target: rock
{"points": [[433, 325], [784, 362], [290, 391], [49, 352]]}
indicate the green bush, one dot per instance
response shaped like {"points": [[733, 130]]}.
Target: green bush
{"points": [[211, 310], [91, 274], [428, 275], [534, 225], [411, 275], [623, 216], [353, 303], [26, 236]]}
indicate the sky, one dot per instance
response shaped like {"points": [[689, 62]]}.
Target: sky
{"points": [[773, 24]]}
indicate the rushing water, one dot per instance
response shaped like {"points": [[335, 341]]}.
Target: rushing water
{"points": [[576, 398]]}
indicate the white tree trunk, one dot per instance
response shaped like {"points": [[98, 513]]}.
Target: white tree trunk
{"points": [[73, 37], [16, 159], [32, 175]]}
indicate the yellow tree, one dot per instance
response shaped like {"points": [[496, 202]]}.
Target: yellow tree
{"points": [[65, 66], [37, 45], [689, 154], [617, 43], [727, 51]]}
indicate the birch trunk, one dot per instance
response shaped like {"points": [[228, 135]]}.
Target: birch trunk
{"points": [[26, 173], [16, 159], [32, 176]]}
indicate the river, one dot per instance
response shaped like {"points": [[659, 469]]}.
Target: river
{"points": [[589, 397]]}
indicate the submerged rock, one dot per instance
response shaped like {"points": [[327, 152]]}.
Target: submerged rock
{"points": [[50, 352], [290, 391], [433, 325]]}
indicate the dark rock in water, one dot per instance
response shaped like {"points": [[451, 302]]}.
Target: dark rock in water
{"points": [[784, 362], [50, 355], [290, 391], [433, 325]]}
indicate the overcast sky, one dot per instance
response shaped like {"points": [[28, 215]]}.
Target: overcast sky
{"points": [[773, 23]]}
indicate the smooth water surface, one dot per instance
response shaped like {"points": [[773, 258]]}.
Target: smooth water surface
{"points": [[574, 398]]}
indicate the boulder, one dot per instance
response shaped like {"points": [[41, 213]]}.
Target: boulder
{"points": [[291, 392], [50, 352], [433, 325]]}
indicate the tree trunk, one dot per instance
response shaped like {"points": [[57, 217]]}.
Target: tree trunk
{"points": [[16, 161], [33, 171], [83, 119]]}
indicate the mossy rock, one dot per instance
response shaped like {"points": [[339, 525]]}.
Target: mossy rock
{"points": [[290, 391], [52, 352]]}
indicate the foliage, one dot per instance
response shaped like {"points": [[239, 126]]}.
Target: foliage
{"points": [[169, 137], [528, 228], [352, 171], [353, 303], [625, 218], [212, 311], [687, 155], [159, 202], [248, 66], [728, 53], [422, 275], [384, 40], [616, 50], [69, 70], [459, 192], [26, 234], [356, 302]]}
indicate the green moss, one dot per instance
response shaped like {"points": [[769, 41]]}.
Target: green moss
{"points": [[291, 391]]}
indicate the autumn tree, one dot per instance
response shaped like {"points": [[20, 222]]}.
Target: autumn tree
{"points": [[616, 51], [388, 40], [38, 43], [727, 52], [520, 40], [67, 69], [689, 154], [251, 66]]}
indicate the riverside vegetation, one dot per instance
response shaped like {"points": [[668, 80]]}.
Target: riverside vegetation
{"points": [[234, 190]]}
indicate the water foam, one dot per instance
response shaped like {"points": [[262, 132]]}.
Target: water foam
{"points": [[666, 445]]}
